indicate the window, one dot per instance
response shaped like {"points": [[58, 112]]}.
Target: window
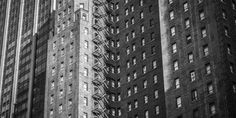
{"points": [[208, 68], [129, 92], [128, 78], [143, 42], [233, 5], [229, 49], [118, 83], [134, 61], [145, 99], [126, 24], [127, 37], [119, 112], [70, 88], [154, 64], [146, 114], [128, 64], [127, 51], [187, 23], [192, 76], [135, 74], [144, 69], [143, 55], [113, 112], [135, 103], [210, 89], [113, 97], [126, 12], [231, 67], [117, 5], [150, 8], [224, 14], [174, 48], [171, 14], [133, 34], [176, 65], [178, 102], [135, 89], [177, 83], [118, 97], [117, 30], [172, 31], [142, 28], [52, 99], [141, 2], [85, 71], [117, 18], [132, 20], [212, 109], [234, 88], [157, 109], [133, 47], [190, 57], [60, 108], [118, 69], [205, 50], [154, 79], [129, 107], [69, 103], [81, 5], [201, 15], [85, 86], [188, 39], [132, 8], [52, 85], [185, 6], [170, 1], [152, 36], [156, 94], [85, 101], [86, 58], [145, 84], [85, 115], [226, 30], [86, 44], [141, 15], [204, 32], [194, 95]]}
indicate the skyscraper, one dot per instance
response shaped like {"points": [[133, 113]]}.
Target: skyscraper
{"points": [[104, 61], [21, 50], [199, 58]]}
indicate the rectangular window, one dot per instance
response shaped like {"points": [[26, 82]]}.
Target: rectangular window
{"points": [[171, 15], [203, 32], [176, 65], [194, 95], [205, 50], [190, 57], [172, 31], [174, 48], [178, 102], [177, 83], [210, 89], [185, 6], [192, 76]]}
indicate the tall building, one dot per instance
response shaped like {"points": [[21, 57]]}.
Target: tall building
{"points": [[70, 72], [104, 61], [199, 58], [23, 63], [135, 60]]}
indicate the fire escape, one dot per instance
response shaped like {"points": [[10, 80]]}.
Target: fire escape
{"points": [[101, 36]]}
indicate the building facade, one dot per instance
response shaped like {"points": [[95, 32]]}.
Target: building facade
{"points": [[23, 19], [199, 58], [135, 60]]}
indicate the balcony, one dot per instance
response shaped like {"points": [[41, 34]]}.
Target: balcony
{"points": [[97, 27], [97, 53], [97, 2], [97, 66], [97, 96], [97, 40], [97, 111], [98, 81], [96, 14]]}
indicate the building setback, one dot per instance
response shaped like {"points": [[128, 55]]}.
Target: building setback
{"points": [[21, 50], [199, 58]]}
